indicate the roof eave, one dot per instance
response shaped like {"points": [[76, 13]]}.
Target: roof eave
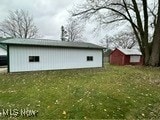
{"points": [[53, 46], [134, 54]]}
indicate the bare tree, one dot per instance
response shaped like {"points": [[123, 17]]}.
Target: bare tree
{"points": [[106, 42], [136, 13], [19, 24], [155, 55], [74, 30], [126, 40]]}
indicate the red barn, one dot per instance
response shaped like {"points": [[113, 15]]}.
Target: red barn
{"points": [[126, 57]]}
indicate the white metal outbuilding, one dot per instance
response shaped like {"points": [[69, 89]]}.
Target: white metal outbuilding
{"points": [[35, 55]]}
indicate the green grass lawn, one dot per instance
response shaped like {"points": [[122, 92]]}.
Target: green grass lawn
{"points": [[106, 93]]}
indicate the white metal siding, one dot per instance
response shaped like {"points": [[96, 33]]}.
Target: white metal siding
{"points": [[52, 58]]}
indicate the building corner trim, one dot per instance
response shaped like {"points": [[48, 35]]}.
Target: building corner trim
{"points": [[8, 59], [102, 58]]}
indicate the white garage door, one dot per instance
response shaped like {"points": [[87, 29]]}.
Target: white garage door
{"points": [[134, 59]]}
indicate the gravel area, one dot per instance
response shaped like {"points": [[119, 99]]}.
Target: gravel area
{"points": [[3, 69]]}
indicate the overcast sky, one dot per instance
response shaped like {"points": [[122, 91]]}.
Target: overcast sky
{"points": [[49, 16]]}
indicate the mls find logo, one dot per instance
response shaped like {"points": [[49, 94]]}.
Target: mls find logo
{"points": [[18, 113]]}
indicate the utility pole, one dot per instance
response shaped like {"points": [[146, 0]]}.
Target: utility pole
{"points": [[64, 36]]}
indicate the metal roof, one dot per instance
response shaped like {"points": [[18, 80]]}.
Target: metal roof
{"points": [[3, 52], [54, 43], [130, 51]]}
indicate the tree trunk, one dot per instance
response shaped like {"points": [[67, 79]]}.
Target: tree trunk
{"points": [[147, 56], [155, 55]]}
